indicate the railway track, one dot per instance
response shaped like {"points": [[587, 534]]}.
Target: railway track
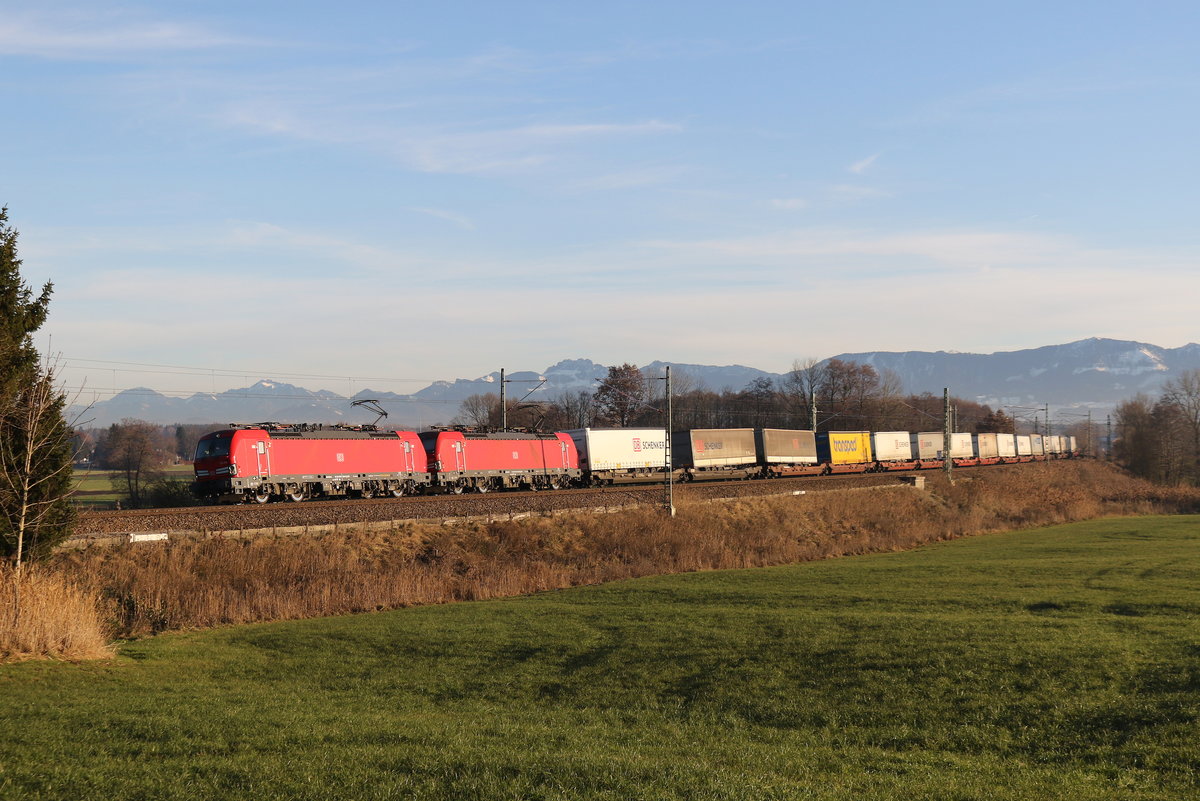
{"points": [[237, 517]]}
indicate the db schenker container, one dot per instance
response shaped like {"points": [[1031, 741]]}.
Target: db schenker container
{"points": [[276, 461], [481, 462], [892, 446], [784, 451], [704, 453], [845, 451], [1006, 446], [986, 446], [928, 445], [616, 455]]}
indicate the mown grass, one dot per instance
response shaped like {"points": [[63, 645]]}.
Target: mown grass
{"points": [[95, 488], [1055, 663]]}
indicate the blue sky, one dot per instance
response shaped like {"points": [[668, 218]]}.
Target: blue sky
{"points": [[400, 192]]}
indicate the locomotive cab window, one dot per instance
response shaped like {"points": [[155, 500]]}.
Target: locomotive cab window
{"points": [[211, 447]]}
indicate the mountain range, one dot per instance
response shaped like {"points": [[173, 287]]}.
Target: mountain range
{"points": [[1092, 373]]}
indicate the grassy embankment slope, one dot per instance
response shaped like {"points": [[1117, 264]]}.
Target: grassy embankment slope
{"points": [[1056, 663]]}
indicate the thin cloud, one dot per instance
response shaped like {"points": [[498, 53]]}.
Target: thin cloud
{"points": [[441, 214], [861, 167], [81, 37]]}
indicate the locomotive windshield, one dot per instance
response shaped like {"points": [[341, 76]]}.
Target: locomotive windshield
{"points": [[209, 447]]}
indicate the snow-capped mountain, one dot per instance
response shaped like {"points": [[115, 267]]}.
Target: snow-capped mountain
{"points": [[1093, 372]]}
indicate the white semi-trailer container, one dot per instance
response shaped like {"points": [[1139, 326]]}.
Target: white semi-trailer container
{"points": [[892, 446], [986, 446], [1024, 445], [1037, 444], [962, 446], [1006, 446], [614, 455]]}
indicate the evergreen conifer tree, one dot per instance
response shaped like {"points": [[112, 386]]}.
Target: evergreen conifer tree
{"points": [[35, 440]]}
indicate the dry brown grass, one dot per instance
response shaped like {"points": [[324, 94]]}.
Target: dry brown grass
{"points": [[45, 614], [198, 583]]}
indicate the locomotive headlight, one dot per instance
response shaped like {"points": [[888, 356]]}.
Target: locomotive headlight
{"points": [[232, 469]]}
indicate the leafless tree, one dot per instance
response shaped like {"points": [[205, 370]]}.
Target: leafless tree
{"points": [[479, 410], [137, 450], [35, 467]]}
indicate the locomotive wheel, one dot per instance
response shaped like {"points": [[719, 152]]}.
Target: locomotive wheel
{"points": [[295, 496], [261, 496], [396, 492], [366, 493], [482, 488], [457, 489]]}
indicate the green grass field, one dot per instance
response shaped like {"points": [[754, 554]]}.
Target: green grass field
{"points": [[1060, 664], [94, 487]]}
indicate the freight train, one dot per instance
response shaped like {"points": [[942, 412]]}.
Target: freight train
{"points": [[275, 461]]}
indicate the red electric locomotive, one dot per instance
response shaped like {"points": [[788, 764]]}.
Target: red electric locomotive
{"points": [[465, 460], [275, 461]]}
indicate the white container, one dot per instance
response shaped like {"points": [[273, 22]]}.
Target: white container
{"points": [[602, 449], [1037, 444], [1024, 446], [986, 446], [1006, 446], [927, 444], [961, 446], [892, 446]]}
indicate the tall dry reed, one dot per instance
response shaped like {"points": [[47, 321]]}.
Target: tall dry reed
{"points": [[198, 583], [45, 614]]}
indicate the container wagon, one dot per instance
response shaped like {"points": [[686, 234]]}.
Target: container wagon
{"points": [[987, 448], [1024, 448], [845, 451], [710, 453], [620, 455], [893, 450], [787, 452]]}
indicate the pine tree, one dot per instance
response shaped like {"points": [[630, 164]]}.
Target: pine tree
{"points": [[35, 440]]}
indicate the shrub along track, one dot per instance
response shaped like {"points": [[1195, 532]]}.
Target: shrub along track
{"points": [[312, 513]]}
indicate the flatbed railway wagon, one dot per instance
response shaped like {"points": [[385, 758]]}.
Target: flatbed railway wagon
{"points": [[621, 455], [464, 461], [893, 450], [987, 448], [1037, 445], [272, 461], [1024, 448], [787, 452], [928, 447], [845, 451], [704, 454], [1006, 447]]}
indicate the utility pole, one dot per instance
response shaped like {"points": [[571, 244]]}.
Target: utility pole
{"points": [[503, 404], [813, 406], [1108, 450], [1047, 419], [947, 462], [670, 483], [1089, 437]]}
